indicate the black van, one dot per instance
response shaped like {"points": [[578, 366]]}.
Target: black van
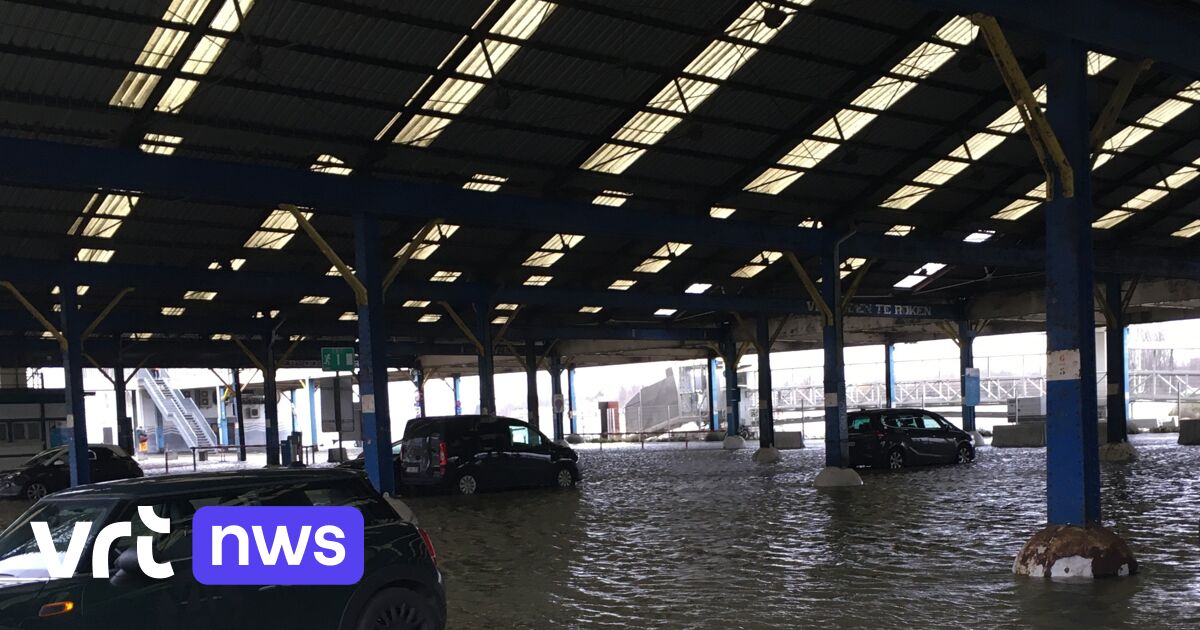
{"points": [[466, 454], [898, 438]]}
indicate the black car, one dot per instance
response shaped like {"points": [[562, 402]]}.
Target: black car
{"points": [[896, 438], [401, 586], [466, 454], [48, 471]]}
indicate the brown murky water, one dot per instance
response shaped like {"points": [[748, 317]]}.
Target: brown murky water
{"points": [[707, 539]]}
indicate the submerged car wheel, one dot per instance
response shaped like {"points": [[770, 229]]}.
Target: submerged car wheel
{"points": [[398, 609], [467, 484], [896, 459], [564, 479], [36, 490], [964, 454]]}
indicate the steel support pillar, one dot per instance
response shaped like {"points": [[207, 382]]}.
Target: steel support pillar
{"points": [[419, 381], [72, 329], [457, 380], [311, 388], [239, 413], [271, 401], [556, 394], [1117, 356], [487, 360], [766, 410], [733, 394], [531, 392], [714, 394], [837, 444], [124, 422], [966, 360], [572, 403], [372, 356], [889, 375], [1072, 462], [222, 421]]}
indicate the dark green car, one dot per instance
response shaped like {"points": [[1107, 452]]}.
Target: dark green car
{"points": [[401, 586]]}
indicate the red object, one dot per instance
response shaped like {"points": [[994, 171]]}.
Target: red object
{"points": [[442, 459], [428, 545]]}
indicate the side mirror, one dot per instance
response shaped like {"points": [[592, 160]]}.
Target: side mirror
{"points": [[129, 572], [58, 462]]}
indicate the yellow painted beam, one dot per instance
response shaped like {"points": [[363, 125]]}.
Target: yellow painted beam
{"points": [[104, 313], [360, 291], [1116, 102], [811, 287], [96, 365], [854, 285], [287, 353], [466, 330], [1045, 143], [253, 359], [403, 258], [50, 328]]}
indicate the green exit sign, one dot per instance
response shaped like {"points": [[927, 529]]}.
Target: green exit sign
{"points": [[337, 359]]}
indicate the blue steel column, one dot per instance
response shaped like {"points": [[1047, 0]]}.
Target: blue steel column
{"points": [[556, 394], [572, 407], [311, 388], [531, 393], [372, 357], [889, 375], [837, 444], [457, 394], [239, 413], [714, 394], [420, 383], [487, 360], [72, 329], [966, 359], [124, 422], [271, 401], [1117, 355], [732, 393], [222, 426], [766, 410], [1072, 461]]}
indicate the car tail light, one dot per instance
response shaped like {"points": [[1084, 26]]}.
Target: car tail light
{"points": [[442, 458], [428, 545], [53, 609]]}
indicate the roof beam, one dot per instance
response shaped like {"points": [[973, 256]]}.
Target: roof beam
{"points": [[1126, 28]]}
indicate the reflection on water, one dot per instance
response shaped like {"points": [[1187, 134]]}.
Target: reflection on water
{"points": [[707, 539]]}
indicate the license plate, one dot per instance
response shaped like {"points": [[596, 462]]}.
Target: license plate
{"points": [[410, 469]]}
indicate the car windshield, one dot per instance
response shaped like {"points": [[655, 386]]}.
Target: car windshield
{"points": [[19, 552], [45, 457]]}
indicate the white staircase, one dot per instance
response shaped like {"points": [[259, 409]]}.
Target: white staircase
{"points": [[178, 409]]}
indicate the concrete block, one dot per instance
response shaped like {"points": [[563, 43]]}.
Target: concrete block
{"points": [[1022, 434], [1189, 431], [336, 455], [789, 440], [769, 455], [733, 443], [1118, 452], [831, 477]]}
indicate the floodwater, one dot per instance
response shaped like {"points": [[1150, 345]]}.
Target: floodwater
{"points": [[672, 538]]}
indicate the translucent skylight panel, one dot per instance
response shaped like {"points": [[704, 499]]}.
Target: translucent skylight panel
{"points": [[507, 307], [314, 299], [430, 244], [1022, 206], [810, 223], [590, 309], [899, 230], [221, 337], [486, 58], [348, 316], [160, 144], [622, 285], [664, 312], [500, 320], [613, 198], [173, 311], [1150, 196], [698, 288], [79, 290], [429, 318], [203, 56], [923, 273], [538, 281], [416, 303], [445, 276], [484, 182], [330, 165], [87, 254], [980, 236], [717, 62], [850, 265], [884, 93], [662, 257], [1164, 113], [909, 282], [161, 48], [721, 212], [757, 264], [553, 249], [1189, 230], [542, 258], [207, 296], [277, 229]]}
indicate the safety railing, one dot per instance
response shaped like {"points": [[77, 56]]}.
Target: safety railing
{"points": [[642, 437]]}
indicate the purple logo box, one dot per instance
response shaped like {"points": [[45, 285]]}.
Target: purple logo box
{"points": [[264, 545]]}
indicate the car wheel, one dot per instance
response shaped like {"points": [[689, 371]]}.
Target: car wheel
{"points": [[466, 484], [896, 459], [398, 609], [36, 490], [964, 454], [564, 479]]}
